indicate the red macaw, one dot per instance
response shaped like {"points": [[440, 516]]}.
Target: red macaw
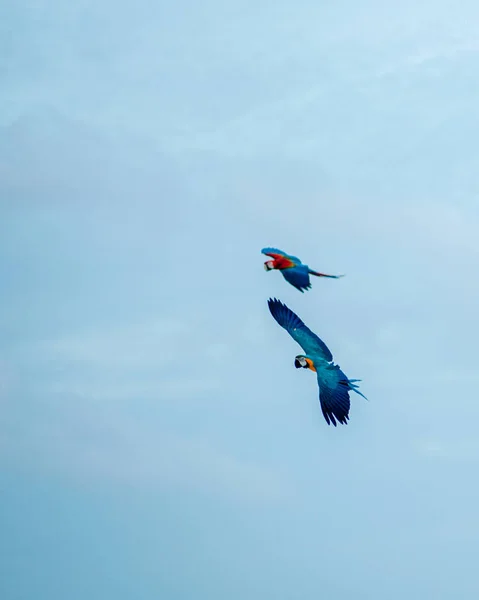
{"points": [[292, 269]]}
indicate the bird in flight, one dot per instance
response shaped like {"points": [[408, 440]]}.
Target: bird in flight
{"points": [[334, 386], [292, 269]]}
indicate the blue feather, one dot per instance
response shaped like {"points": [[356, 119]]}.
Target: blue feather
{"points": [[269, 251], [334, 401], [301, 334], [297, 277], [298, 274], [334, 386]]}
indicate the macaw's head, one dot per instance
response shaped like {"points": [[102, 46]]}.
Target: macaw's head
{"points": [[303, 362], [269, 265]]}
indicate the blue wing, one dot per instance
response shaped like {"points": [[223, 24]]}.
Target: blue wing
{"points": [[309, 341], [334, 388], [334, 395], [298, 277], [275, 252]]}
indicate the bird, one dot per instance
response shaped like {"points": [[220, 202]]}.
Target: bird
{"points": [[334, 386], [292, 269]]}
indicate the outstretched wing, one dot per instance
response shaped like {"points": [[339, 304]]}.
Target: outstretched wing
{"points": [[309, 341], [275, 253], [333, 394], [298, 277], [334, 388]]}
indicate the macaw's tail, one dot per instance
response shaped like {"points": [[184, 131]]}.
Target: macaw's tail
{"points": [[355, 388], [318, 274]]}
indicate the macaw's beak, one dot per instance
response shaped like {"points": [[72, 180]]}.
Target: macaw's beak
{"points": [[267, 267], [297, 364]]}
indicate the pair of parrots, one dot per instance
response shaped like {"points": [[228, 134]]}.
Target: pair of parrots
{"points": [[334, 386]]}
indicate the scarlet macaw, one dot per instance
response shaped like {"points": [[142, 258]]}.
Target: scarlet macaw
{"points": [[292, 268], [334, 386]]}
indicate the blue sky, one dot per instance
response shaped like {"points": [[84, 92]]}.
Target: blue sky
{"points": [[155, 438]]}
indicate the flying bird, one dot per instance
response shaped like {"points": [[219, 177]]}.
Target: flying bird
{"points": [[334, 386], [292, 269]]}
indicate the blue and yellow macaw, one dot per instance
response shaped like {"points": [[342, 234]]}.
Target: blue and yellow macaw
{"points": [[292, 268], [334, 386]]}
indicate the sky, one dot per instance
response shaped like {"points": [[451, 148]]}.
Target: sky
{"points": [[156, 440]]}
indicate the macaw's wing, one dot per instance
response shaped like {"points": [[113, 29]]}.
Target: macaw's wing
{"points": [[275, 253], [309, 341], [334, 390], [298, 277]]}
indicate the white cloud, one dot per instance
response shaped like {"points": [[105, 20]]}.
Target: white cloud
{"points": [[462, 450], [159, 359], [94, 389], [447, 50], [97, 445], [152, 343]]}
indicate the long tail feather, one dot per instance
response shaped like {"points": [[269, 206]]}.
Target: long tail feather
{"points": [[318, 274], [355, 388]]}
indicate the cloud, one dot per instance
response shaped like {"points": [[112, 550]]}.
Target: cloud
{"points": [[456, 450], [99, 445], [147, 344], [447, 50], [105, 397], [158, 359]]}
